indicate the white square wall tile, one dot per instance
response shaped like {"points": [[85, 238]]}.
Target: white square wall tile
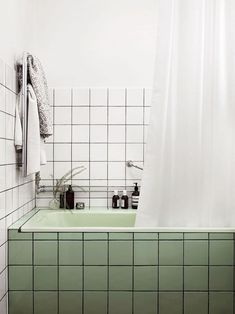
{"points": [[116, 152], [80, 152], [80, 133], [98, 152], [117, 96], [10, 102], [62, 133], [135, 97], [80, 96], [62, 152], [2, 124], [99, 97], [116, 170], [9, 77], [80, 115], [147, 112], [148, 96], [134, 174], [134, 133], [146, 129], [98, 170], [82, 178], [2, 98], [60, 169], [134, 152], [117, 115], [135, 115], [49, 151], [62, 115], [116, 133], [98, 115], [98, 133], [62, 97]]}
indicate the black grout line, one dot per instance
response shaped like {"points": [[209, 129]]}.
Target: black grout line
{"points": [[107, 147], [58, 274], [33, 283], [89, 159]]}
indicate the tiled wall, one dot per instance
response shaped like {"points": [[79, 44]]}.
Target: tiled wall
{"points": [[100, 128], [128, 273], [17, 194]]}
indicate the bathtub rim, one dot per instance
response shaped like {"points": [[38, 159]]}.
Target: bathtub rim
{"points": [[24, 229]]}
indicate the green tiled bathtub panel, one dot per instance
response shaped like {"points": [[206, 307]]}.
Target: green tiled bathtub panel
{"points": [[126, 273]]}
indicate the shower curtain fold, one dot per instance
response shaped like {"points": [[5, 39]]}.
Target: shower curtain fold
{"points": [[189, 173]]}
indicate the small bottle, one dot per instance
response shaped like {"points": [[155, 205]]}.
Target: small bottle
{"points": [[69, 198], [62, 197], [116, 200], [124, 200], [135, 197]]}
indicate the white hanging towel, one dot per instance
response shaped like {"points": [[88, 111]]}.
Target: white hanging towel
{"points": [[33, 133], [18, 124]]}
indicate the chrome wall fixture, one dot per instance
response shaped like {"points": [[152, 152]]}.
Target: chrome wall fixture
{"points": [[130, 164]]}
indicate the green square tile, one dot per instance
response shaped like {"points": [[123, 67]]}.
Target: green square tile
{"points": [[221, 236], [221, 252], [221, 278], [120, 277], [170, 252], [120, 252], [170, 278], [195, 277], [45, 278], [121, 236], [95, 252], [95, 277], [14, 234], [20, 277], [145, 302], [145, 252], [195, 236], [170, 236], [20, 252], [45, 253], [70, 277], [196, 303], [45, 236], [20, 302], [70, 252], [95, 236], [221, 303], [70, 302], [120, 302], [95, 302], [145, 278], [196, 252], [145, 236], [70, 236], [45, 302], [171, 303]]}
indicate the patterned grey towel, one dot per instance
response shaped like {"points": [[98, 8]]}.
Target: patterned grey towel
{"points": [[38, 81]]}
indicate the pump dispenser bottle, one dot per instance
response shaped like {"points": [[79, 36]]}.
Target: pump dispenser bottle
{"points": [[135, 197], [115, 200], [69, 195], [124, 200]]}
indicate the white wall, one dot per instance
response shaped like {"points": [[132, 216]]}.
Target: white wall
{"points": [[95, 42], [14, 19]]}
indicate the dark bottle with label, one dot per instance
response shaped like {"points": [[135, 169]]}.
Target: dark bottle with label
{"points": [[116, 200], [124, 200], [69, 198], [135, 197]]}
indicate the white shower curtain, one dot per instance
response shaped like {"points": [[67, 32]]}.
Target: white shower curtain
{"points": [[189, 173]]}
